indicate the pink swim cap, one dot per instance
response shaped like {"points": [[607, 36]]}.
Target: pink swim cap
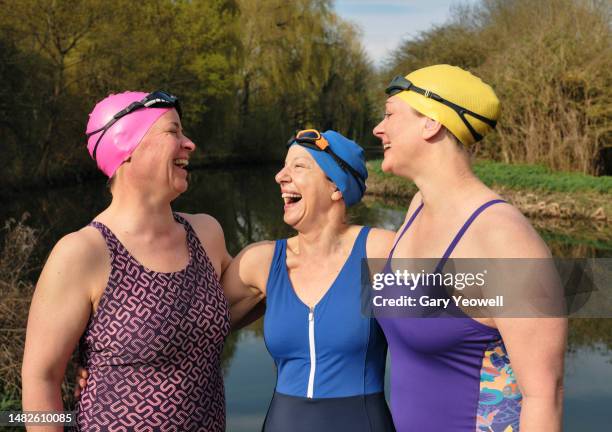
{"points": [[120, 140]]}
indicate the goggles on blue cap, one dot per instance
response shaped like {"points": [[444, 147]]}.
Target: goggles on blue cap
{"points": [[313, 139]]}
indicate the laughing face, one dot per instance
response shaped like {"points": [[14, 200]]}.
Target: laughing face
{"points": [[159, 162], [399, 132], [306, 191]]}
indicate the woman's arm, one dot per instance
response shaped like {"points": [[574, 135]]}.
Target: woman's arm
{"points": [[243, 278], [244, 282], [536, 345], [60, 309]]}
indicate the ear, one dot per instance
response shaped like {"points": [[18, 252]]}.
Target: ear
{"points": [[336, 196], [431, 128]]}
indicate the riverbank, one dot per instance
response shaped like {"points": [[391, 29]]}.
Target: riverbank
{"points": [[88, 172], [535, 190]]}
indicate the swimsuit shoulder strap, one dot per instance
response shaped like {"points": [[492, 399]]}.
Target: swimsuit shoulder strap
{"points": [[277, 267], [412, 218], [360, 246], [193, 241], [464, 228], [114, 246]]}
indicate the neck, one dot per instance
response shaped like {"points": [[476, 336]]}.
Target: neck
{"points": [[139, 213], [322, 239], [451, 182]]}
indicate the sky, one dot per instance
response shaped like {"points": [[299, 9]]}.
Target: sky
{"points": [[385, 23]]}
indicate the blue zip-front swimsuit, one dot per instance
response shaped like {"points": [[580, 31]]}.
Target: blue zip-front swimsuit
{"points": [[330, 359]]}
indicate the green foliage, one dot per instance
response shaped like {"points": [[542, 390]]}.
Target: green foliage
{"points": [[539, 177], [549, 61], [301, 67], [524, 176], [248, 74]]}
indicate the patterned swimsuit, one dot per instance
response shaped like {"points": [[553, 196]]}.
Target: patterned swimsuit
{"points": [[153, 347]]}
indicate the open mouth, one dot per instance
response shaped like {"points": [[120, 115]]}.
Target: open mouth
{"points": [[290, 198], [386, 146], [181, 163]]}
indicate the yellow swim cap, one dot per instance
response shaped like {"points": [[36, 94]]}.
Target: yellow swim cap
{"points": [[462, 102]]}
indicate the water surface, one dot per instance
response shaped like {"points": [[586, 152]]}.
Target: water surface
{"points": [[247, 203]]}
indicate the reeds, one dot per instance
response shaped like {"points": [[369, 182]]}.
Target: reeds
{"points": [[15, 295], [550, 63], [17, 266]]}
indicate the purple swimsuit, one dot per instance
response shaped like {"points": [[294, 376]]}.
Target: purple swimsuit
{"points": [[450, 374], [153, 347]]}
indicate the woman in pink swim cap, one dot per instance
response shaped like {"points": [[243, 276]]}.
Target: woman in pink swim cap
{"points": [[138, 288]]}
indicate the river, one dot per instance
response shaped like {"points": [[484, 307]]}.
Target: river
{"points": [[247, 203]]}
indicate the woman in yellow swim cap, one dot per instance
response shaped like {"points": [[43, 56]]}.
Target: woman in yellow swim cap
{"points": [[454, 374]]}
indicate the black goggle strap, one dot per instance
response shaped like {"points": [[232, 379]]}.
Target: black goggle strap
{"points": [[461, 111], [95, 149], [399, 84], [158, 98], [130, 108]]}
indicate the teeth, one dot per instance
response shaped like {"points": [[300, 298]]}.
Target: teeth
{"points": [[386, 146], [181, 162], [287, 197]]}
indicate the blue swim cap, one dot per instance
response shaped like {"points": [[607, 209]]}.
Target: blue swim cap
{"points": [[352, 188]]}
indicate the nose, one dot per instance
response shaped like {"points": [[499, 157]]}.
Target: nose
{"points": [[282, 176], [188, 145], [379, 130]]}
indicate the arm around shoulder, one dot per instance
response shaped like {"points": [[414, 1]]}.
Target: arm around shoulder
{"points": [[244, 281]]}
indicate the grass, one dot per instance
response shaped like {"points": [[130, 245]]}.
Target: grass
{"points": [[534, 189], [9, 402], [521, 176], [539, 178]]}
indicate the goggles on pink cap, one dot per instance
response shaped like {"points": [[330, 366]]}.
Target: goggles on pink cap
{"points": [[112, 149]]}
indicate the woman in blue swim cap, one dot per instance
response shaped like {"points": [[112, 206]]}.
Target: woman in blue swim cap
{"points": [[330, 359]]}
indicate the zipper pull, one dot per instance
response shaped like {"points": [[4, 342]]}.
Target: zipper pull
{"points": [[311, 314]]}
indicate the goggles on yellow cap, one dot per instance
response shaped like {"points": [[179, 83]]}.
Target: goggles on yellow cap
{"points": [[400, 84]]}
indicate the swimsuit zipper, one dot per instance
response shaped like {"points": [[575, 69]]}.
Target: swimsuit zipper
{"points": [[313, 354]]}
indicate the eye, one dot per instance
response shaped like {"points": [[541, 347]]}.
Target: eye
{"points": [[387, 115]]}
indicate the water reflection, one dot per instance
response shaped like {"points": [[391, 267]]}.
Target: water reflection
{"points": [[248, 205]]}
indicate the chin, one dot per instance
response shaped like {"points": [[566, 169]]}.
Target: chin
{"points": [[181, 187], [293, 219], [386, 166], [289, 221]]}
